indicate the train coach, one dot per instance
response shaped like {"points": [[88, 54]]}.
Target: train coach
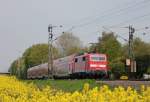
{"points": [[86, 65]]}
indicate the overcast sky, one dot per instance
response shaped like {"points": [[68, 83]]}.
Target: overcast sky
{"points": [[24, 22]]}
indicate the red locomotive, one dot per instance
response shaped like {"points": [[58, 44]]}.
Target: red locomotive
{"points": [[86, 65]]}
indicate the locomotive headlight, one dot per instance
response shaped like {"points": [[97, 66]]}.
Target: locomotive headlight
{"points": [[97, 65], [102, 65], [93, 65]]}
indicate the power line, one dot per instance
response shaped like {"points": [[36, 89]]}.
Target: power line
{"points": [[132, 19], [121, 13], [116, 34], [144, 28], [119, 10], [106, 11]]}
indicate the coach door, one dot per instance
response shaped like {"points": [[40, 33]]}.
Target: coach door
{"points": [[80, 64], [71, 68], [84, 63]]}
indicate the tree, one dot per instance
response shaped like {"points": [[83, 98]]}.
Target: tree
{"points": [[17, 67], [143, 63], [141, 51], [38, 54], [140, 48], [13, 68], [35, 55], [68, 44], [109, 45]]}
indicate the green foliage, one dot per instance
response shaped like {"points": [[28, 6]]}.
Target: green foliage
{"points": [[140, 48], [34, 55], [73, 50], [118, 69], [65, 85], [141, 52], [13, 68], [93, 48], [142, 56], [17, 67], [143, 63], [148, 70], [38, 54], [109, 45], [68, 44]]}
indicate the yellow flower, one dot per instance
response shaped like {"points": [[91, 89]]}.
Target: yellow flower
{"points": [[13, 90]]}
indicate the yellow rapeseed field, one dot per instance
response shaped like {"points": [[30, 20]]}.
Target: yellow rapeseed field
{"points": [[13, 90]]}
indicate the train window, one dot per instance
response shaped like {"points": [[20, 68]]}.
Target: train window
{"points": [[76, 59], [97, 58], [83, 59]]}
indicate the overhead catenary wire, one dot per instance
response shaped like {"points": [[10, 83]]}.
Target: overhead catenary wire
{"points": [[120, 11], [116, 34], [132, 19], [104, 12], [111, 13], [123, 13], [144, 28]]}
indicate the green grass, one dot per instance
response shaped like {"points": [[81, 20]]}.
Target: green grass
{"points": [[65, 85]]}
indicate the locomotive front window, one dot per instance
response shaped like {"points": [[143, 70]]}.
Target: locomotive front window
{"points": [[76, 59], [97, 58], [83, 59]]}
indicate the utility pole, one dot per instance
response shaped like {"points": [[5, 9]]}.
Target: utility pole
{"points": [[50, 51], [131, 53], [50, 56], [131, 31]]}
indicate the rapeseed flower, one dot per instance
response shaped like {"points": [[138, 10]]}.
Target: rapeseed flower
{"points": [[13, 90]]}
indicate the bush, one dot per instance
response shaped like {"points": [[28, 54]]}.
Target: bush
{"points": [[148, 70], [117, 69], [143, 65]]}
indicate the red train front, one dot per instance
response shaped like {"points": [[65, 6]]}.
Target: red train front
{"points": [[90, 65]]}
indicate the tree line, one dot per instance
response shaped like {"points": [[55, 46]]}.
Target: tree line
{"points": [[68, 44]]}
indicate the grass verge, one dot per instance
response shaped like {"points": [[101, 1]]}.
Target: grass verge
{"points": [[65, 85]]}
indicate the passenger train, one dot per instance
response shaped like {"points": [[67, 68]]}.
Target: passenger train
{"points": [[92, 65]]}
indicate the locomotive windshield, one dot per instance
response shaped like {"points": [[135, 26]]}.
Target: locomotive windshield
{"points": [[97, 58]]}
